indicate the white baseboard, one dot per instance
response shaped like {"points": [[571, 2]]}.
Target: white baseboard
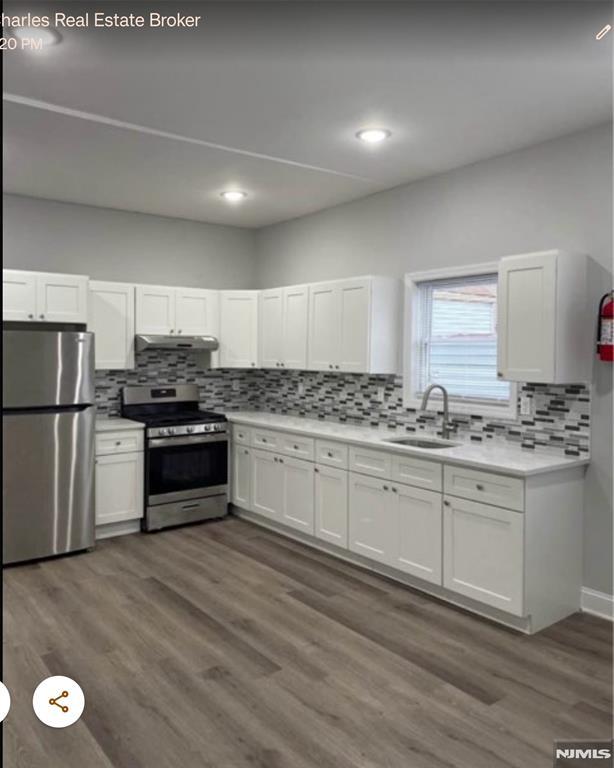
{"points": [[598, 603], [117, 529]]}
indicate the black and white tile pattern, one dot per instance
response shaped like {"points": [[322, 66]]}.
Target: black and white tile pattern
{"points": [[559, 421]]}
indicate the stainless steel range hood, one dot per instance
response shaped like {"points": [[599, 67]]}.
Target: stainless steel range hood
{"points": [[178, 343]]}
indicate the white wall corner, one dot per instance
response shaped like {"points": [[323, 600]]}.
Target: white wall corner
{"points": [[598, 603]]}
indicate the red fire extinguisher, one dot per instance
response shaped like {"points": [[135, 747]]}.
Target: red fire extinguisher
{"points": [[605, 328]]}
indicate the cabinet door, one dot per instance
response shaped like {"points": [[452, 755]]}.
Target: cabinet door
{"points": [[238, 329], [267, 484], [61, 298], [371, 518], [119, 487], [527, 316], [298, 502], [354, 314], [111, 319], [483, 553], [271, 328], [18, 295], [418, 532], [324, 329], [331, 505], [294, 347], [155, 310], [196, 312], [242, 477]]}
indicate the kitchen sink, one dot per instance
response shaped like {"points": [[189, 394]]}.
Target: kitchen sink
{"points": [[422, 442]]}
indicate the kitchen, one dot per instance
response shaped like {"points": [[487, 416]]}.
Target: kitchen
{"points": [[264, 435]]}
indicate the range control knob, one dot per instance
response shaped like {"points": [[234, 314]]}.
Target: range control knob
{"points": [[171, 430], [163, 432], [190, 430]]}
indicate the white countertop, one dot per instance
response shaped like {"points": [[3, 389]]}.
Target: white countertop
{"points": [[509, 459], [116, 423]]}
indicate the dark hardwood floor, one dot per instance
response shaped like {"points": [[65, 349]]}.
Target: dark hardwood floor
{"points": [[226, 646]]}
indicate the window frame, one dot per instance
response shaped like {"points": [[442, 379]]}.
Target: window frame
{"points": [[410, 347]]}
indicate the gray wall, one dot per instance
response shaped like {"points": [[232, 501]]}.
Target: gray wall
{"points": [[115, 245], [556, 194]]}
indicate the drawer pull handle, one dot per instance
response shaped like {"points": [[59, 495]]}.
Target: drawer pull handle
{"points": [[480, 487], [190, 506]]}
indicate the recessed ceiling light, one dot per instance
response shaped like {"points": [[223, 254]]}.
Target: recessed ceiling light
{"points": [[46, 35], [233, 195], [373, 135]]}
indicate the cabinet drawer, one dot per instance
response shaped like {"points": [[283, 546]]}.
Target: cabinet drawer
{"points": [[417, 472], [500, 490], [267, 439], [332, 454], [119, 442], [299, 446], [241, 435], [369, 462]]}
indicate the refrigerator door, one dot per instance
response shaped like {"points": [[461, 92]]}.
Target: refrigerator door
{"points": [[47, 368], [48, 482]]}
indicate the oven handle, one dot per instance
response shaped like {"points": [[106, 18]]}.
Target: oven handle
{"points": [[161, 442]]}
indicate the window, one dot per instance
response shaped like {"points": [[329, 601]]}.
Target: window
{"points": [[453, 341]]}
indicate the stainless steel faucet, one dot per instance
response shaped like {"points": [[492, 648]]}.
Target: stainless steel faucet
{"points": [[445, 427]]}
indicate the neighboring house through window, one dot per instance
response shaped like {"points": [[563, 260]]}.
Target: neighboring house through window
{"points": [[452, 340]]}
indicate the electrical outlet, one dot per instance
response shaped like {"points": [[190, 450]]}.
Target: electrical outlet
{"points": [[236, 385], [526, 405], [381, 394], [301, 388]]}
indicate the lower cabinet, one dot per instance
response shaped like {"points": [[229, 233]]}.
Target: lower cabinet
{"points": [[417, 515], [371, 527], [241, 477], [267, 484], [484, 553], [331, 505], [298, 494], [119, 487]]}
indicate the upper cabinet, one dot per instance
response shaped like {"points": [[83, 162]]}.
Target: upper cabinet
{"points": [[544, 330], [355, 325], [111, 318], [238, 329], [44, 297], [283, 327], [165, 311]]}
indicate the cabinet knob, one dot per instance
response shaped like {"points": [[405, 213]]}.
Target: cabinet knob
{"points": [[394, 490], [275, 459], [172, 330], [30, 317], [246, 452], [180, 331], [295, 447], [41, 317], [281, 461], [385, 487], [446, 503], [253, 364], [337, 367], [282, 364], [479, 486], [264, 439], [277, 364], [118, 442], [330, 365], [499, 374], [315, 469], [329, 454]]}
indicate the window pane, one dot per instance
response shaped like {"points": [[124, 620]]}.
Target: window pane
{"points": [[460, 338]]}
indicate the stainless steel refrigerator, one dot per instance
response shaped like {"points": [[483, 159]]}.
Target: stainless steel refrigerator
{"points": [[48, 427]]}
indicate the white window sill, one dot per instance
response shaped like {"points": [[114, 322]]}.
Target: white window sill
{"points": [[507, 412]]}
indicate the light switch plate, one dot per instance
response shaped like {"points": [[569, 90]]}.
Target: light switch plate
{"points": [[236, 385], [526, 405], [381, 394], [301, 388]]}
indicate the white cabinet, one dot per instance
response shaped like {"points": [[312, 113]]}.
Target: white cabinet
{"points": [[417, 516], [371, 528], [283, 327], [298, 494], [196, 312], [354, 325], [331, 505], [267, 484], [111, 319], [484, 553], [241, 490], [155, 310], [544, 332], [238, 329], [119, 487], [44, 297]]}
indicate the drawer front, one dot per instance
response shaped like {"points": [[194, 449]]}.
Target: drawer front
{"points": [[486, 487], [369, 462], [241, 435], [119, 442], [267, 439], [299, 446], [417, 472], [332, 454]]}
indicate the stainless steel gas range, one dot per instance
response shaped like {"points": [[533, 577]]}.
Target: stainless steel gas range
{"points": [[186, 455]]}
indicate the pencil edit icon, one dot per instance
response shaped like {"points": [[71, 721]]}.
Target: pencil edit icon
{"points": [[54, 702]]}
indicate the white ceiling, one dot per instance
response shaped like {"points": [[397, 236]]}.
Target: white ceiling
{"points": [[268, 96]]}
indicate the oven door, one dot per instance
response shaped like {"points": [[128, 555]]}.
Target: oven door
{"points": [[189, 467]]}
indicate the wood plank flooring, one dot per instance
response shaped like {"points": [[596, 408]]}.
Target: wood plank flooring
{"points": [[226, 646]]}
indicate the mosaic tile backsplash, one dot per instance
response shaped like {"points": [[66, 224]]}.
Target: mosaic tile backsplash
{"points": [[559, 421]]}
